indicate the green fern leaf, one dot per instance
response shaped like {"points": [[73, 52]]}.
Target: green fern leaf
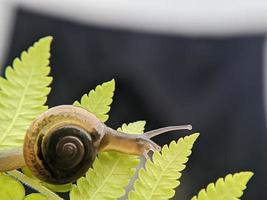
{"points": [[23, 93], [75, 193], [110, 174], [133, 128], [159, 178], [10, 188], [229, 188], [98, 101], [35, 196], [55, 188]]}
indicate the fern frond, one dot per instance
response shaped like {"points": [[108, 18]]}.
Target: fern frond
{"points": [[75, 193], [133, 128], [10, 188], [110, 174], [98, 101], [35, 196], [229, 188], [55, 188], [160, 177], [34, 184], [23, 92]]}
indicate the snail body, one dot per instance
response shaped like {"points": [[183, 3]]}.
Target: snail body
{"points": [[63, 142]]}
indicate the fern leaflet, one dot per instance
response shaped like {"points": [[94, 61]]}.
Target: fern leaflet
{"points": [[159, 178], [98, 101], [133, 128], [10, 188], [55, 188], [23, 92], [35, 196], [229, 188]]}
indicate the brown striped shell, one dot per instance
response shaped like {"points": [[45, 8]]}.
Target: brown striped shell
{"points": [[61, 144]]}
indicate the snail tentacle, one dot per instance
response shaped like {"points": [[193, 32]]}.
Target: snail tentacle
{"points": [[160, 131]]}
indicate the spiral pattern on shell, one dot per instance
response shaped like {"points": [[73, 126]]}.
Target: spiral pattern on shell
{"points": [[60, 145]]}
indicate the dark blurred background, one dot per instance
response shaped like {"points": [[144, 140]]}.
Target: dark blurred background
{"points": [[213, 83]]}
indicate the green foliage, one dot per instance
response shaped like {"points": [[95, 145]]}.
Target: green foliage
{"points": [[229, 188], [35, 196], [110, 174], [133, 128], [34, 184], [56, 188], [22, 98], [98, 101], [159, 178], [23, 93], [11, 189]]}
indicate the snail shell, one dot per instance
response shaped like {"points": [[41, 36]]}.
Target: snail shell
{"points": [[61, 144]]}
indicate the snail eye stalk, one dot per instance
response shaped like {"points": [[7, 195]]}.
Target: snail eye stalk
{"points": [[160, 131]]}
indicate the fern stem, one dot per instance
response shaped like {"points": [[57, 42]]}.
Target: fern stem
{"points": [[34, 184]]}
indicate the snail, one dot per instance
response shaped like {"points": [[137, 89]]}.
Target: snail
{"points": [[63, 142]]}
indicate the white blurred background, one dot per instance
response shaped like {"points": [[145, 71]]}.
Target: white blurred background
{"points": [[190, 18]]}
